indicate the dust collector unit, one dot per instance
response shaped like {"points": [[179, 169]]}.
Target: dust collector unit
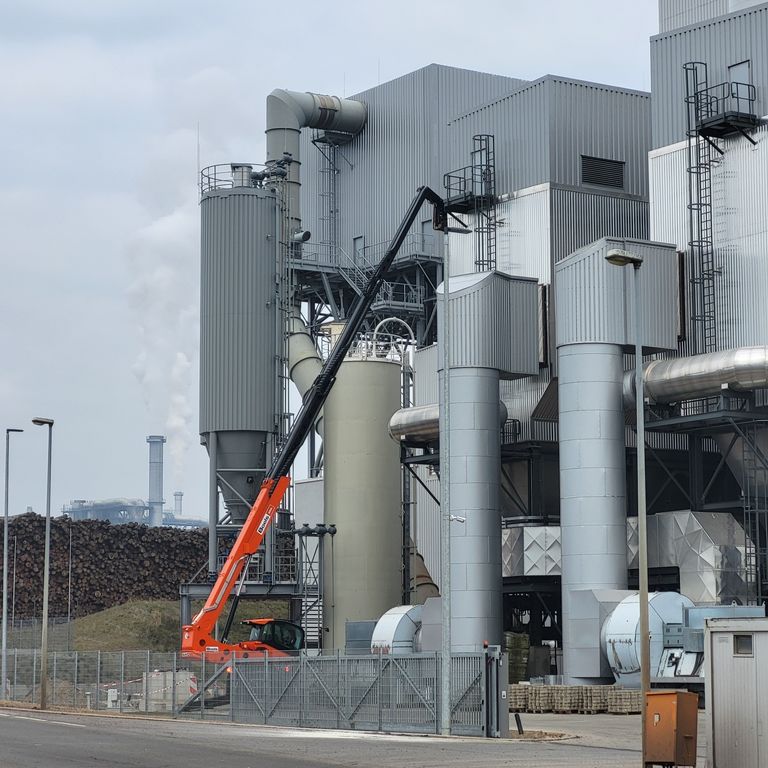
{"points": [[238, 336]]}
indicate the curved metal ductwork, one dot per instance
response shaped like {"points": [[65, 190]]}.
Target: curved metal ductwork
{"points": [[419, 425], [304, 362], [688, 378], [290, 111]]}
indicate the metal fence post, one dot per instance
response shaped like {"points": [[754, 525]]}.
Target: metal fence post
{"points": [[379, 686], [301, 690], [338, 688], [267, 689], [232, 672], [201, 688], [98, 677], [34, 672], [146, 685], [74, 683], [15, 671], [438, 696], [173, 683], [122, 681], [53, 702]]}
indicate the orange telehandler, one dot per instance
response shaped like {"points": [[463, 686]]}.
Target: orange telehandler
{"points": [[270, 636]]}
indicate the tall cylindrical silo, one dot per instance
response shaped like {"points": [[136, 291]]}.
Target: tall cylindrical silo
{"points": [[362, 562], [238, 338]]}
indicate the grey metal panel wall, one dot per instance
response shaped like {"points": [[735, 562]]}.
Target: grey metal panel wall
{"points": [[544, 127], [494, 324], [599, 121], [719, 42], [674, 14], [402, 147], [580, 217], [594, 298], [741, 242], [425, 376], [237, 310]]}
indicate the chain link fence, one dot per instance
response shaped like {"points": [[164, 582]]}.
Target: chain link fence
{"points": [[376, 693]]}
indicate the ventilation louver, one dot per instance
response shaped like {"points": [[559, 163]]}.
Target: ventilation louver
{"points": [[602, 172]]}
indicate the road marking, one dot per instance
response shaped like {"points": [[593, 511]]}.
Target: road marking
{"points": [[43, 720]]}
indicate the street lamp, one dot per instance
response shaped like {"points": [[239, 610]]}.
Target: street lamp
{"points": [[622, 258], [4, 665], [40, 422]]}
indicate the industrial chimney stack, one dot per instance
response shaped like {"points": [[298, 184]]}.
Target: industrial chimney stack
{"points": [[155, 480]]}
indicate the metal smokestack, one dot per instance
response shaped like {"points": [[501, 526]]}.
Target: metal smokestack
{"points": [[177, 504], [155, 479]]}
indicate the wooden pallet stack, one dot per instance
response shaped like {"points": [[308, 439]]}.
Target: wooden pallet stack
{"points": [[624, 702], [540, 698], [566, 699], [517, 695], [594, 699], [516, 646]]}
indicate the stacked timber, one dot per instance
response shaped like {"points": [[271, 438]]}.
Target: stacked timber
{"points": [[518, 697], [622, 701], [109, 564], [516, 646]]}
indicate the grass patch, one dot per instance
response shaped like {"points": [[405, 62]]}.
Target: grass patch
{"points": [[154, 625]]}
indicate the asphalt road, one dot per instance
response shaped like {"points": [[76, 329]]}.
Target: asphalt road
{"points": [[30, 739]]}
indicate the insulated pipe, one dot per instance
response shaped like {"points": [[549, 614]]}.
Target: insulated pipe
{"points": [[688, 378], [419, 425], [290, 111], [304, 363]]}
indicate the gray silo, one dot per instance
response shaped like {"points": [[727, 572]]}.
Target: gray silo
{"points": [[238, 335], [363, 575]]}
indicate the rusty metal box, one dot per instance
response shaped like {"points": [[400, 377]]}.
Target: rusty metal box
{"points": [[671, 721]]}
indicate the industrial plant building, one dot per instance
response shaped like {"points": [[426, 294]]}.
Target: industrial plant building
{"points": [[547, 178]]}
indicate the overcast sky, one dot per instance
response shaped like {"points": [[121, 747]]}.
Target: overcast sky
{"points": [[101, 102]]}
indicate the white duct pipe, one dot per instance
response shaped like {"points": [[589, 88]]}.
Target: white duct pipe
{"points": [[290, 111]]}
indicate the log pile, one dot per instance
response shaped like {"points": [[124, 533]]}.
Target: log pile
{"points": [[110, 564]]}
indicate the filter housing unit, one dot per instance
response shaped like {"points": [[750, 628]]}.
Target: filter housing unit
{"points": [[238, 338]]}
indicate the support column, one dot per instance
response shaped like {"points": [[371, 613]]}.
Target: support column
{"points": [[592, 496], [476, 582], [213, 504]]}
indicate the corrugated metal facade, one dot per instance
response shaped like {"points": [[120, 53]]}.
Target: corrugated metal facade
{"points": [[237, 310], [494, 324], [595, 298], [720, 43], [403, 146], [674, 14], [741, 242], [579, 218]]}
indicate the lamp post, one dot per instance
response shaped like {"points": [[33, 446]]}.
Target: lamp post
{"points": [[4, 665], [40, 422], [623, 258]]}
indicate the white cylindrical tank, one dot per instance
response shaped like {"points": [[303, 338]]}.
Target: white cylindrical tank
{"points": [[363, 561], [620, 634]]}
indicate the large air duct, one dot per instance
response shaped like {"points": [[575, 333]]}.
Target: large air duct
{"points": [[687, 378], [419, 425], [290, 111], [155, 479], [304, 363]]}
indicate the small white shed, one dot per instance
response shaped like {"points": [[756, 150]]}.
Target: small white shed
{"points": [[736, 686]]}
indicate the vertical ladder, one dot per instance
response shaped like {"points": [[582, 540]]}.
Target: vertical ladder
{"points": [[755, 500], [326, 191], [701, 242], [484, 193]]}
